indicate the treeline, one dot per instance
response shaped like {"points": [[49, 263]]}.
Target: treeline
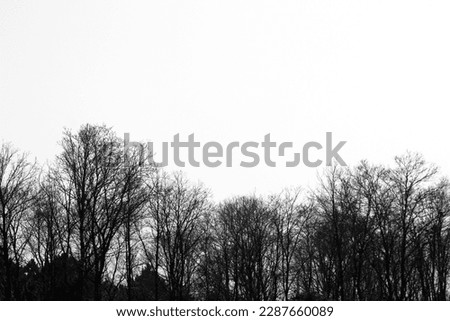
{"points": [[97, 225]]}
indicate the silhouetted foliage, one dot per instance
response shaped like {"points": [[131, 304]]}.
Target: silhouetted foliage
{"points": [[143, 286]]}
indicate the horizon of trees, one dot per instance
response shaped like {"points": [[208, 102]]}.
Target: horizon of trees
{"points": [[95, 225]]}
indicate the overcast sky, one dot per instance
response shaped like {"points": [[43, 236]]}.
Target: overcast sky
{"points": [[375, 73]]}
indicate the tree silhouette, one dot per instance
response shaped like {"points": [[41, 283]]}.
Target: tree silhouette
{"points": [[100, 224]]}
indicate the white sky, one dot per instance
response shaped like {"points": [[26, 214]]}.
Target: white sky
{"points": [[375, 73]]}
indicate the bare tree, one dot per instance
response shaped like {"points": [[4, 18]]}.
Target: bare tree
{"points": [[247, 240], [176, 209], [408, 179], [104, 193], [17, 188], [290, 219]]}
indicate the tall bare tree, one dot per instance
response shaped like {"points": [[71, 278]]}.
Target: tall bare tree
{"points": [[17, 189], [105, 191], [173, 223]]}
